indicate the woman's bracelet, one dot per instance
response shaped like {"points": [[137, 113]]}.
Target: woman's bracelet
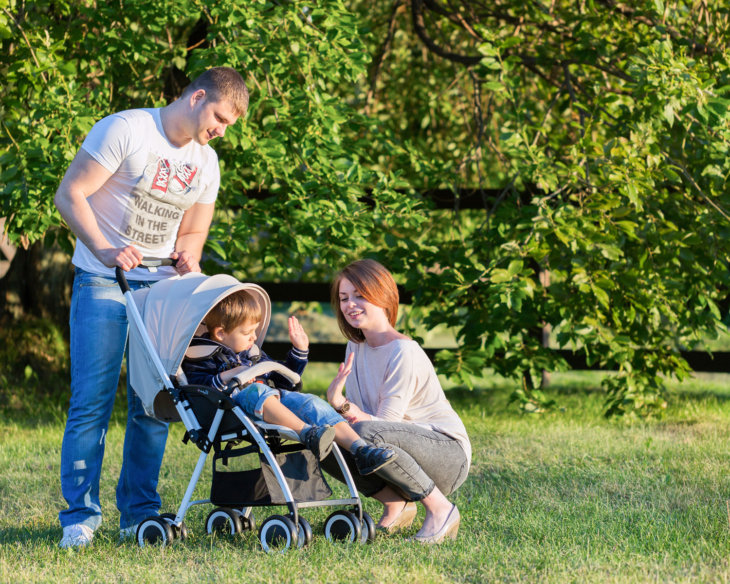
{"points": [[344, 408]]}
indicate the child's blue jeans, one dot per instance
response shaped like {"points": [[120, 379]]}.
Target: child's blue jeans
{"points": [[307, 407]]}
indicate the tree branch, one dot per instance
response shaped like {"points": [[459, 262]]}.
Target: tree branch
{"points": [[633, 14], [380, 56], [419, 26], [530, 62], [454, 17], [697, 188], [27, 42]]}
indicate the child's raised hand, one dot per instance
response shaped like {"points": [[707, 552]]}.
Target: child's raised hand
{"points": [[298, 337]]}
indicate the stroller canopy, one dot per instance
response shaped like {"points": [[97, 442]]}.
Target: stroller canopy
{"points": [[170, 312]]}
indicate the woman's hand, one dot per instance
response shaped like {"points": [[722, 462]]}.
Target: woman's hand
{"points": [[334, 391], [298, 337]]}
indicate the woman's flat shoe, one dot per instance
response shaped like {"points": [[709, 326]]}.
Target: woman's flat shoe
{"points": [[448, 530], [403, 520]]}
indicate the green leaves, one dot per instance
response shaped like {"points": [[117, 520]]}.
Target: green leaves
{"points": [[58, 81], [606, 133], [613, 139]]}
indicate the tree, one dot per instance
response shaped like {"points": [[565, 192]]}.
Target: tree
{"points": [[603, 125], [67, 64]]}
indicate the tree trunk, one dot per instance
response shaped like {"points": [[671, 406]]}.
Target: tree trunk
{"points": [[37, 282]]}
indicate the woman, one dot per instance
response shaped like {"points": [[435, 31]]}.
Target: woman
{"points": [[394, 398]]}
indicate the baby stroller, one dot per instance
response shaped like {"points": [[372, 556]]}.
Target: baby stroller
{"points": [[162, 321]]}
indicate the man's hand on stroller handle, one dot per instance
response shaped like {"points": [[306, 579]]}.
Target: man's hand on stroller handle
{"points": [[145, 262], [186, 262], [127, 258]]}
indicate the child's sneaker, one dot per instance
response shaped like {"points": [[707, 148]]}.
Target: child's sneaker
{"points": [[319, 440], [76, 536], [371, 458]]}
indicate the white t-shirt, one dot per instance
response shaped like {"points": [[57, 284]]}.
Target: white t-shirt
{"points": [[396, 382], [152, 185]]}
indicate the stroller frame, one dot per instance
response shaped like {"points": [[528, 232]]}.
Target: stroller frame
{"points": [[277, 532]]}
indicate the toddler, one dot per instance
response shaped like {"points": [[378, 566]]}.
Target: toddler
{"points": [[232, 326]]}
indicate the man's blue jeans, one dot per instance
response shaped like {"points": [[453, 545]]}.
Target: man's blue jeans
{"points": [[98, 339]]}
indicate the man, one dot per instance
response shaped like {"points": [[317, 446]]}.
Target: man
{"points": [[143, 184]]}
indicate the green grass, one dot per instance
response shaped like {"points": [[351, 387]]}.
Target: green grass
{"points": [[565, 497]]}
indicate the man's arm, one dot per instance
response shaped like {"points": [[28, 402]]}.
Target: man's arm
{"points": [[83, 178], [191, 237]]}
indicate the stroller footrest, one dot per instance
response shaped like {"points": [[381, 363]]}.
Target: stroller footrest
{"points": [[282, 431]]}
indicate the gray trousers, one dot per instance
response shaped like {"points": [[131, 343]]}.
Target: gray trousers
{"points": [[426, 459]]}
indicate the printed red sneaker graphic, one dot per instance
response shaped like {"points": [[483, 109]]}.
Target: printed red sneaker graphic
{"points": [[183, 178], [162, 176]]}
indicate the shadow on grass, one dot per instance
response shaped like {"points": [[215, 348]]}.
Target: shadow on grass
{"points": [[500, 399], [23, 535], [720, 395], [462, 396], [36, 414], [629, 484], [35, 411], [495, 393]]}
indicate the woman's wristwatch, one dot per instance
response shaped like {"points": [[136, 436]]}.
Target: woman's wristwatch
{"points": [[344, 408]]}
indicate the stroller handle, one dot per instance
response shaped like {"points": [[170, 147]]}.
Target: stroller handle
{"points": [[145, 263]]}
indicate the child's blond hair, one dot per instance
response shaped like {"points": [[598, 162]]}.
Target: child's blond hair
{"points": [[234, 310]]}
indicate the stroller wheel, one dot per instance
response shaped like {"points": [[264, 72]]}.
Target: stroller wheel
{"points": [[367, 534], [154, 531], [342, 526], [247, 518], [223, 521], [180, 532], [304, 533], [278, 533]]}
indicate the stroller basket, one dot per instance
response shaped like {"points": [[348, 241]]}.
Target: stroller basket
{"points": [[259, 486]]}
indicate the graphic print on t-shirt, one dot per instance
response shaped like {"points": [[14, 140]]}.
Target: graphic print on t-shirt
{"points": [[165, 191]]}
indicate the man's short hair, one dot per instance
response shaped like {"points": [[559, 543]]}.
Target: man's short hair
{"points": [[222, 83]]}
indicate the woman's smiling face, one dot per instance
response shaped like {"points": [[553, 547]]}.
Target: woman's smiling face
{"points": [[359, 312]]}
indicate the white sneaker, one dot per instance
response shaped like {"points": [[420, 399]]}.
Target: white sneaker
{"points": [[128, 532], [76, 536]]}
